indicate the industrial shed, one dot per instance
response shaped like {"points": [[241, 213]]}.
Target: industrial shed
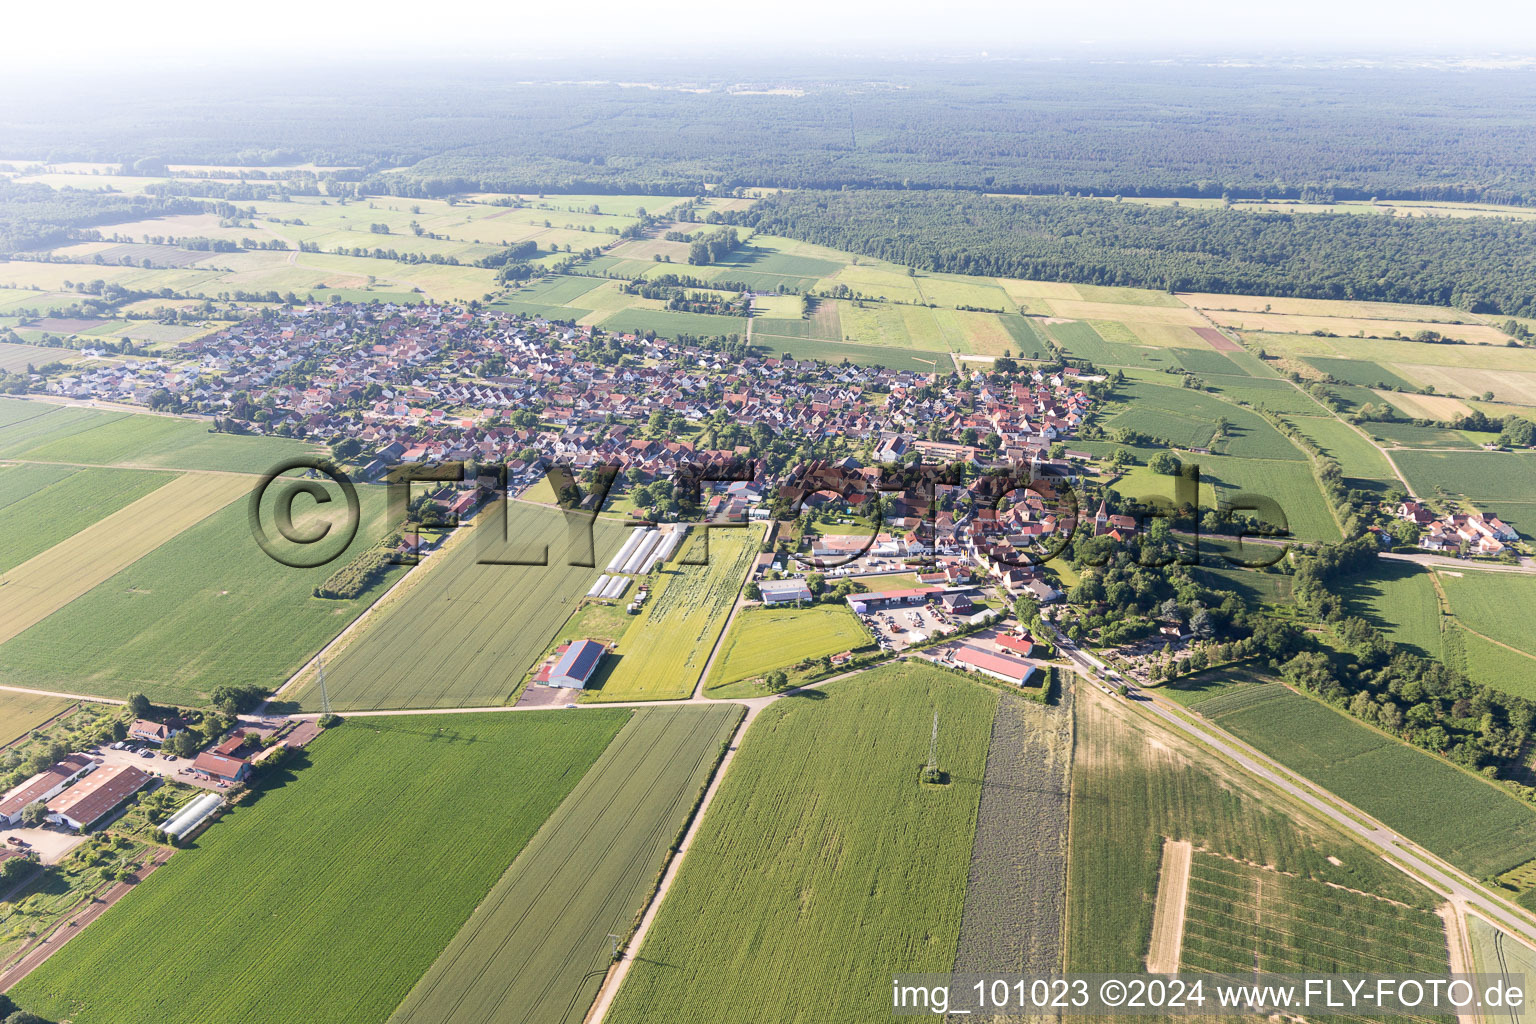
{"points": [[577, 665], [784, 591], [43, 786], [90, 800]]}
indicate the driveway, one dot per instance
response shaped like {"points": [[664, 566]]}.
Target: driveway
{"points": [[51, 845]]}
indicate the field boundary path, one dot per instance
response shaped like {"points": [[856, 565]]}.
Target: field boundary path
{"points": [[1168, 914], [51, 943]]}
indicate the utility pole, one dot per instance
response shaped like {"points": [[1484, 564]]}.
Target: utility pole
{"points": [[933, 744], [614, 952], [325, 698]]}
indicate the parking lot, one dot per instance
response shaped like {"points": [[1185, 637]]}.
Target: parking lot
{"points": [[896, 629], [177, 769]]}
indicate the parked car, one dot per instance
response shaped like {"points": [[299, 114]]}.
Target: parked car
{"points": [[147, 753]]}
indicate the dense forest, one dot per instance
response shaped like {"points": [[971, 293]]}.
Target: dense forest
{"points": [[1480, 264], [36, 216], [1019, 127]]}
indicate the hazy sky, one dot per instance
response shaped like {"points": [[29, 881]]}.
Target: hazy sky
{"points": [[131, 35]]}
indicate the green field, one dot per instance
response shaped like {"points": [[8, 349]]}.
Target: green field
{"points": [[197, 612], [670, 324], [1399, 599], [1241, 917], [1454, 814], [1485, 662], [1139, 783], [1497, 604], [823, 865], [1188, 418], [535, 949], [54, 433], [1361, 462], [1504, 481], [1358, 371], [464, 633], [298, 887], [20, 713], [41, 505], [663, 652], [763, 639]]}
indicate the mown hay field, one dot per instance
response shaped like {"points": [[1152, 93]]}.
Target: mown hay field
{"points": [[1286, 323], [823, 864], [1450, 812], [293, 892], [763, 639], [204, 608], [42, 505], [536, 948], [464, 633], [663, 652], [45, 583]]}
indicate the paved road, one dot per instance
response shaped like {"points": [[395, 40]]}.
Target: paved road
{"points": [[1526, 565], [1436, 873]]}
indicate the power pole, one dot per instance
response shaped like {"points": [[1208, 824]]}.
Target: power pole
{"points": [[933, 744], [325, 698], [614, 952]]}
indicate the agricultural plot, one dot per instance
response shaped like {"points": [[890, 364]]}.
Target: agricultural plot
{"points": [[857, 354], [1361, 462], [47, 582], [1030, 294], [1506, 385], [464, 633], [663, 652], [1085, 342], [73, 434], [536, 948], [895, 326], [1410, 435], [1494, 952], [1216, 688], [1176, 315], [20, 713], [1426, 407], [1330, 308], [1399, 599], [823, 848], [670, 324], [147, 627], [1506, 478], [1358, 371], [953, 291], [16, 358], [1276, 395], [1278, 323], [1142, 784], [1455, 814], [763, 639], [1188, 419], [1486, 662], [298, 885], [1016, 891], [41, 506], [1498, 605], [1290, 484], [1243, 917]]}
